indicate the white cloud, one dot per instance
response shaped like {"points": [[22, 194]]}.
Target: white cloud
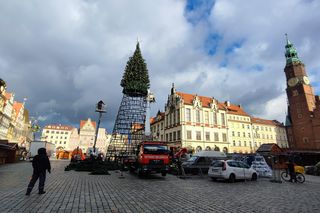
{"points": [[66, 55]]}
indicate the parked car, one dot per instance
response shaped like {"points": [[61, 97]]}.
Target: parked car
{"points": [[201, 161], [231, 170]]}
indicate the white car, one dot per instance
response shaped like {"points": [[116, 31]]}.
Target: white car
{"points": [[231, 170]]}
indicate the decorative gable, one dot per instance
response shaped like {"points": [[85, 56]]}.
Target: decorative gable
{"points": [[196, 102]]}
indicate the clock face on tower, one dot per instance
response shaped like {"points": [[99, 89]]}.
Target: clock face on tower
{"points": [[306, 80], [293, 81]]}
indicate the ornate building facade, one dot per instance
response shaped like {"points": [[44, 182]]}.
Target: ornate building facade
{"points": [[68, 138], [58, 134], [303, 120], [203, 123]]}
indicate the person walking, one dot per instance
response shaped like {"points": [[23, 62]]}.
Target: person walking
{"points": [[40, 166]]}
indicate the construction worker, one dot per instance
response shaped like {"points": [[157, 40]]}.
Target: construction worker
{"points": [[40, 165]]}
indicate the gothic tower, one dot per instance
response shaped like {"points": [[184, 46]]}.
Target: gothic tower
{"points": [[303, 117]]}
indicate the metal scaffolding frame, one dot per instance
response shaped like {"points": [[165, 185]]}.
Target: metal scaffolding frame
{"points": [[129, 128]]}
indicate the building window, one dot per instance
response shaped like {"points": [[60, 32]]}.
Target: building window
{"points": [[249, 135], [166, 120], [224, 137], [242, 126], [189, 135], [214, 118], [178, 116], [198, 135], [174, 136], [167, 137], [248, 127], [238, 134], [244, 134], [188, 115], [47, 131], [223, 122], [170, 136], [234, 143], [245, 143], [179, 135], [239, 143], [216, 136], [207, 136], [51, 137], [232, 133], [161, 126], [198, 116], [206, 117]]}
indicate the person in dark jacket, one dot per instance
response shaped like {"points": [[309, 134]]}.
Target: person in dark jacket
{"points": [[40, 164], [291, 171]]}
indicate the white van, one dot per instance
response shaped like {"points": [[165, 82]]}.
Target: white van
{"points": [[201, 161]]}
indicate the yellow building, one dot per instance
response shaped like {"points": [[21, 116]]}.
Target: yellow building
{"points": [[239, 129], [269, 131], [58, 135]]}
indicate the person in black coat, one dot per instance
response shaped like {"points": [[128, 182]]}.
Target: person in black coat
{"points": [[40, 164], [291, 171]]}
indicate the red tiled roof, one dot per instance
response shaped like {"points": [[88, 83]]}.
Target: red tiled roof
{"points": [[265, 121], [232, 109], [58, 127], [188, 99], [159, 117], [83, 122], [236, 110], [17, 107], [8, 95], [153, 120]]}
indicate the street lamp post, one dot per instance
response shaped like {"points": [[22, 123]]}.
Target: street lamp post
{"points": [[101, 109]]}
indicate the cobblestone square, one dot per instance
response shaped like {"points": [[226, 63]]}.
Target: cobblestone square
{"points": [[80, 192]]}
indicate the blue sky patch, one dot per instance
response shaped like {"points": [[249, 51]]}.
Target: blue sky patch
{"points": [[233, 46], [257, 67], [211, 43], [198, 10]]}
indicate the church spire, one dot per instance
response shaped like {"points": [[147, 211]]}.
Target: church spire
{"points": [[291, 52]]}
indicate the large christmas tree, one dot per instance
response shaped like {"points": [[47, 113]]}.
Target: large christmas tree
{"points": [[135, 81]]}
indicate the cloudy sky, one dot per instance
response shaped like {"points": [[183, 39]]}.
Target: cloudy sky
{"points": [[64, 56]]}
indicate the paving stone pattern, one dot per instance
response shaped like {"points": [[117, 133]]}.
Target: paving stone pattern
{"points": [[80, 192]]}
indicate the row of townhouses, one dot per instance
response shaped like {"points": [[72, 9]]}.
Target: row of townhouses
{"points": [[203, 123], [69, 138], [15, 125]]}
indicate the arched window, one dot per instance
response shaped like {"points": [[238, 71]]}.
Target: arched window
{"points": [[216, 148], [198, 149], [208, 148], [225, 150]]}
